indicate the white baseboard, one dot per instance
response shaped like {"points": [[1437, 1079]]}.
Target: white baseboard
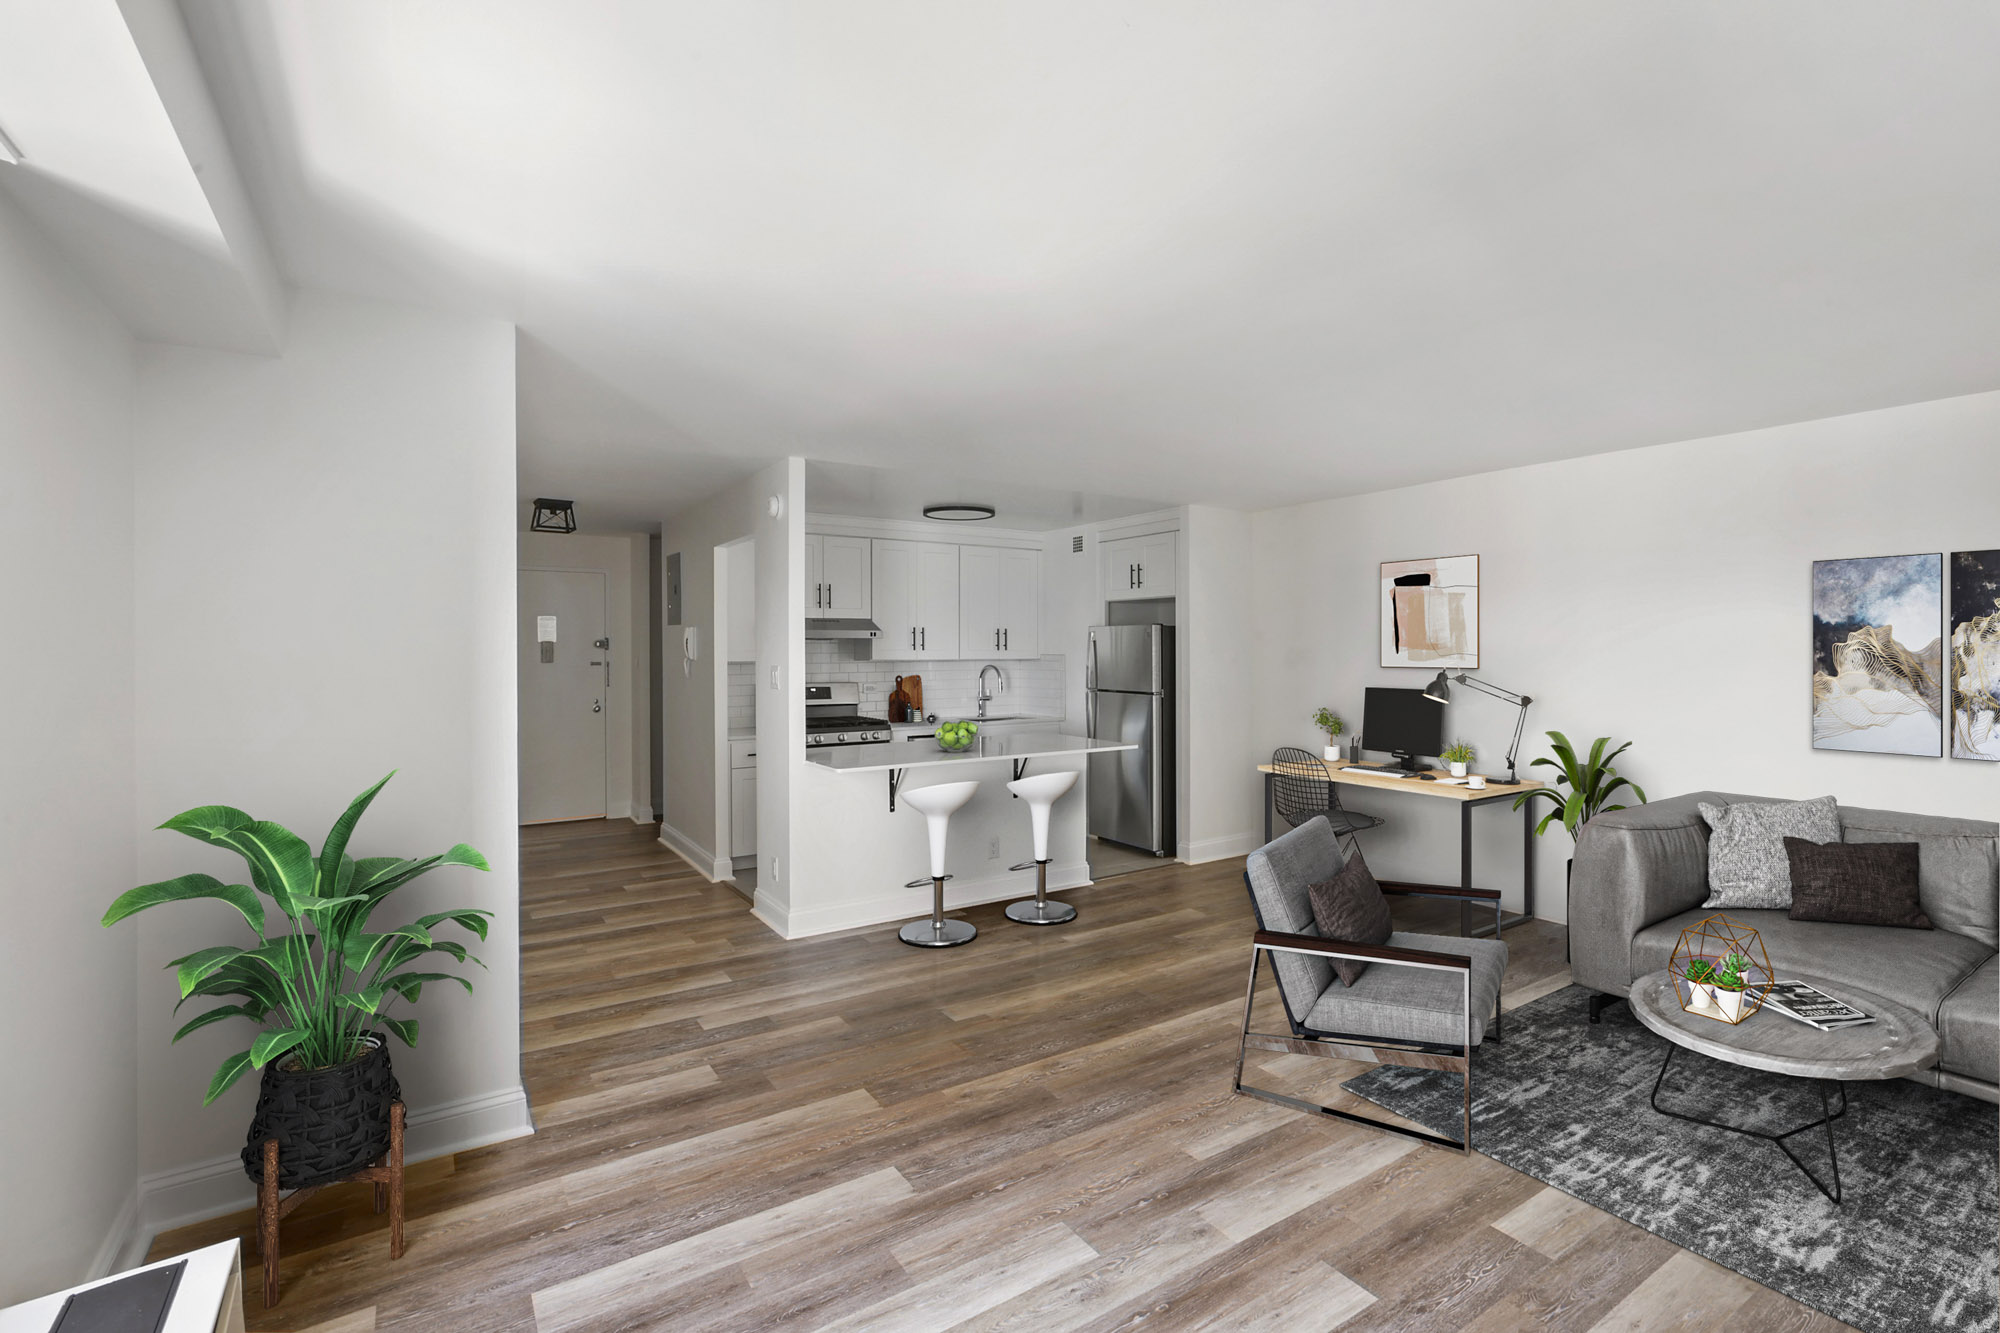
{"points": [[1220, 849], [619, 810], [111, 1251], [201, 1190], [642, 814], [908, 904], [707, 864]]}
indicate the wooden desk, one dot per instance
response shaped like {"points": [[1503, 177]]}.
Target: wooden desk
{"points": [[1343, 773]]}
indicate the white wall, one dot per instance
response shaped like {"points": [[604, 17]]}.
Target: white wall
{"points": [[326, 570], [1218, 653], [694, 695], [68, 1103], [1659, 596], [621, 558]]}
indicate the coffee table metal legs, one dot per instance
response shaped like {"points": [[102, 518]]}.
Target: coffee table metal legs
{"points": [[1827, 1116]]}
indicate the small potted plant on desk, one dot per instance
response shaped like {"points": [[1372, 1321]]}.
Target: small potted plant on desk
{"points": [[1459, 756], [1329, 722]]}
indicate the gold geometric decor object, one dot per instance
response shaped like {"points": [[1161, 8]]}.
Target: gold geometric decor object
{"points": [[1720, 969]]}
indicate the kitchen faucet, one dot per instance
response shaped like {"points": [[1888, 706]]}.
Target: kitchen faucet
{"points": [[984, 696]]}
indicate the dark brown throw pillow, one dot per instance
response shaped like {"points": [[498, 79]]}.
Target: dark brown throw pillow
{"points": [[1860, 883], [1350, 907]]}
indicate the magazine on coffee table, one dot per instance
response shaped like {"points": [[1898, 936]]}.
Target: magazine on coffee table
{"points": [[1814, 1007]]}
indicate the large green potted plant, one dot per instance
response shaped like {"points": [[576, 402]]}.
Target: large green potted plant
{"points": [[1582, 790], [314, 981]]}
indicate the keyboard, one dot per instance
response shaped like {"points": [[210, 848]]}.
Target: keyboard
{"points": [[1384, 769]]}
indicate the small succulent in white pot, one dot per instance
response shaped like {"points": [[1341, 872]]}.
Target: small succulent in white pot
{"points": [[1459, 756]]}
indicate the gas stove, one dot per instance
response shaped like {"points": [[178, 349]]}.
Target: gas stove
{"points": [[831, 719]]}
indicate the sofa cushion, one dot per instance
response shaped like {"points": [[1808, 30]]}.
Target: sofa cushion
{"points": [[1280, 875], [1746, 848], [1394, 1002], [1861, 883], [1958, 871], [1350, 907], [1969, 1026], [1917, 968]]}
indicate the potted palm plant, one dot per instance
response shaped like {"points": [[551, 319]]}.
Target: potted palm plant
{"points": [[1582, 790], [314, 982], [1459, 756], [1329, 722]]}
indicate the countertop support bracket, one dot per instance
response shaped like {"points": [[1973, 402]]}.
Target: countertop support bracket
{"points": [[895, 781], [1020, 767]]}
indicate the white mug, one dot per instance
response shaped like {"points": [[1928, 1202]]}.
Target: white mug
{"points": [[1476, 782]]}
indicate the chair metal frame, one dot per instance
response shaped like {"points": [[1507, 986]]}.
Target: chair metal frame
{"points": [[1314, 794], [1358, 1046]]}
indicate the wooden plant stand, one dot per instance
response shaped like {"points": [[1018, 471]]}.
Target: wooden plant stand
{"points": [[387, 1175]]}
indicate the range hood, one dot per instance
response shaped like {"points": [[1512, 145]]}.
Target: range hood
{"points": [[837, 627]]}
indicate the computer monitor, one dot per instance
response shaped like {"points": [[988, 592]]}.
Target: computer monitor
{"points": [[1402, 722]]}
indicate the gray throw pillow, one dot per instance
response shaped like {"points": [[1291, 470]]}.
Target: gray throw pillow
{"points": [[1350, 908], [1747, 865]]}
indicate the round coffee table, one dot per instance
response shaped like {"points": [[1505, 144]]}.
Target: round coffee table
{"points": [[1899, 1042]]}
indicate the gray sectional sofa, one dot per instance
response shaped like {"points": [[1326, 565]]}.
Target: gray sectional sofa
{"points": [[1641, 875]]}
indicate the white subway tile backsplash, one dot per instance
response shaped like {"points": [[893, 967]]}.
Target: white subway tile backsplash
{"points": [[742, 696], [1034, 685]]}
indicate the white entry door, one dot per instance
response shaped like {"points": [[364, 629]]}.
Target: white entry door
{"points": [[565, 694]]}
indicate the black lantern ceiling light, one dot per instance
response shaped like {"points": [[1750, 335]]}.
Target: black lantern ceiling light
{"points": [[554, 516], [958, 513]]}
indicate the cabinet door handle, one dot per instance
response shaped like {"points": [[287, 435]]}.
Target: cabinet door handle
{"points": [[913, 638], [829, 594], [924, 635], [1142, 575], [996, 638], [1006, 638], [1131, 576]]}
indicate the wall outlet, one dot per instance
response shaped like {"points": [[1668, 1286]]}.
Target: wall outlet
{"points": [[993, 849]]}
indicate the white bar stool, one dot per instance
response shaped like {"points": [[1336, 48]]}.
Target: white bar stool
{"points": [[1041, 792], [937, 804]]}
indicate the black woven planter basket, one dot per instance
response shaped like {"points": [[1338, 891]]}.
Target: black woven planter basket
{"points": [[328, 1122]]}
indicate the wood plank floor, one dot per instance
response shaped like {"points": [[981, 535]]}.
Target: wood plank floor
{"points": [[1034, 1132]]}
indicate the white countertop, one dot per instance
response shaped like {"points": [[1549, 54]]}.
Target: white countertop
{"points": [[880, 758]]}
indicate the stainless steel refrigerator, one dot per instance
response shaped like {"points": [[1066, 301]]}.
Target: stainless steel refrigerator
{"points": [[1128, 686]]}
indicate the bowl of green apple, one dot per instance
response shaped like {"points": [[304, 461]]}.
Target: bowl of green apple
{"points": [[957, 737]]}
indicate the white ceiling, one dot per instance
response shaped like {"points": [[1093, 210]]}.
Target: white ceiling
{"points": [[123, 163], [1245, 254], [851, 490]]}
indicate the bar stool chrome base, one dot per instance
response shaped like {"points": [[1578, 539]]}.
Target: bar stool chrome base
{"points": [[1039, 910], [935, 932]]}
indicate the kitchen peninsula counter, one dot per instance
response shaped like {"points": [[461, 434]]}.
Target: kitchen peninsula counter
{"points": [[887, 756]]}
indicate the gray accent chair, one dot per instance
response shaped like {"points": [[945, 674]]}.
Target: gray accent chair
{"points": [[1424, 1000], [1641, 875]]}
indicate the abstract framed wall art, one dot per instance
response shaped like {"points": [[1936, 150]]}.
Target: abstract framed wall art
{"points": [[1974, 669], [1878, 654], [1430, 612]]}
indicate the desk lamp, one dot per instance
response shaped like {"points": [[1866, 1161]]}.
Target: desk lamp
{"points": [[1439, 692]]}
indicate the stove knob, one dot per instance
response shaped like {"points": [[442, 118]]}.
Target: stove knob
{"points": [[841, 738]]}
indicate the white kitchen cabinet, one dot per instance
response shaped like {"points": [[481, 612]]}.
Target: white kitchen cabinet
{"points": [[915, 599], [839, 578], [999, 602], [742, 812], [1137, 567]]}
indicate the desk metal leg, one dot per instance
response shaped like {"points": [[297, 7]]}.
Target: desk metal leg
{"points": [[1270, 780], [1464, 866]]}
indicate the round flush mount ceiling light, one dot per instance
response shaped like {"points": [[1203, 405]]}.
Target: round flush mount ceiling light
{"points": [[958, 513]]}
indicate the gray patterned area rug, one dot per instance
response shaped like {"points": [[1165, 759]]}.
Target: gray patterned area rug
{"points": [[1912, 1245]]}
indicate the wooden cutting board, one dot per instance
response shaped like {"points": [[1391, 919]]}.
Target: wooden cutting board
{"points": [[914, 687]]}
